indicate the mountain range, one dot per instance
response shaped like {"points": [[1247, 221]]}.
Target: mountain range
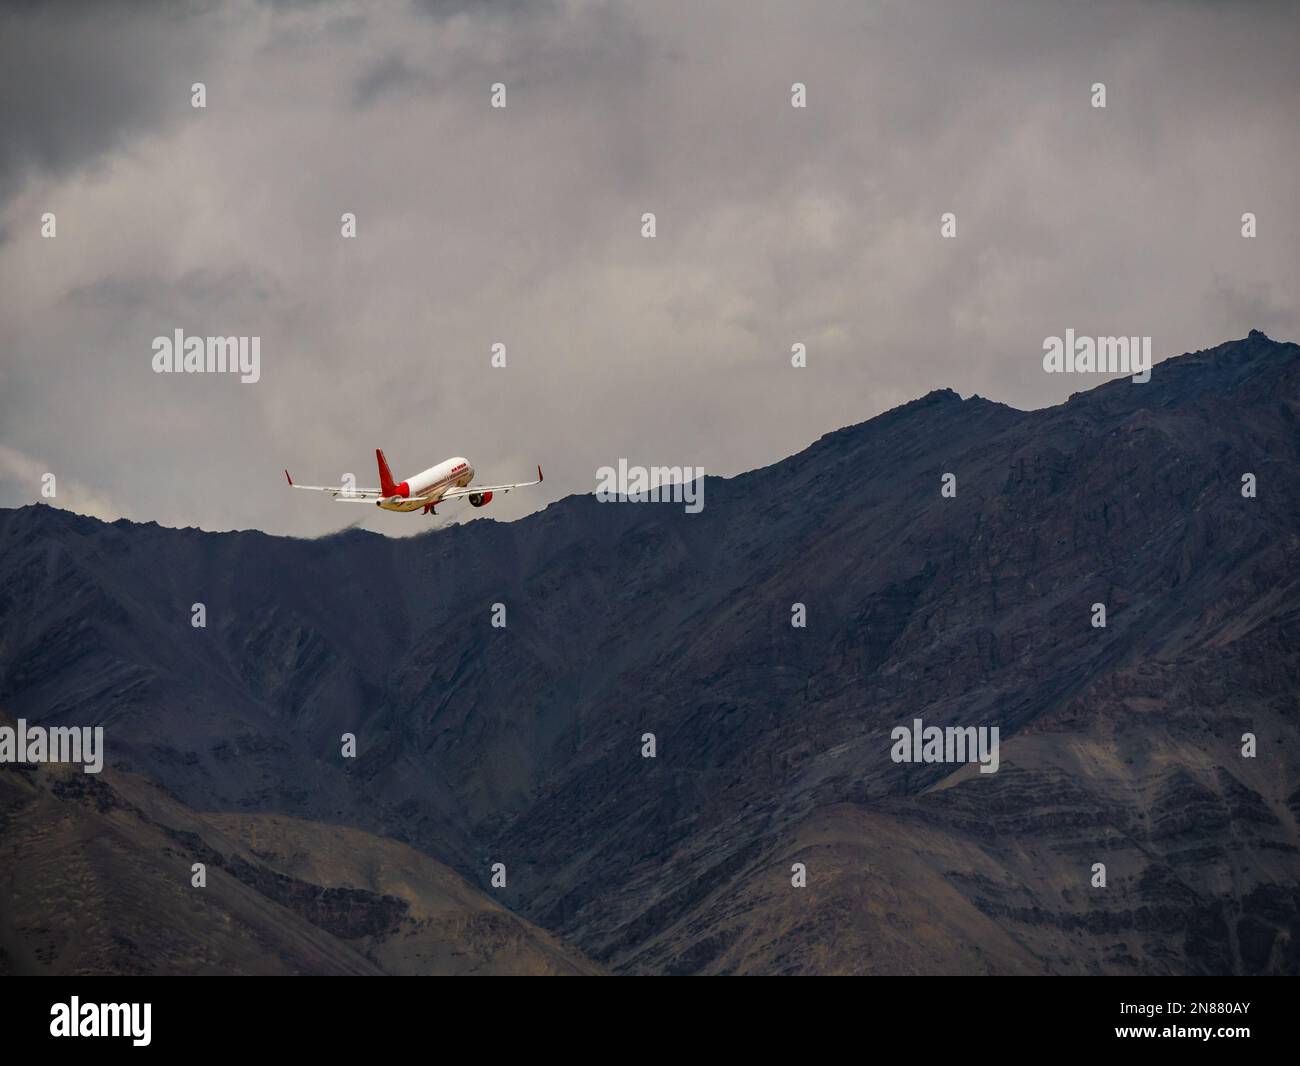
{"points": [[480, 747]]}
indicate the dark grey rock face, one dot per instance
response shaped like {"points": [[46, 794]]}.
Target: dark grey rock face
{"points": [[522, 745]]}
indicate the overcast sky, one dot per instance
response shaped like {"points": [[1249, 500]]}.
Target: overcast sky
{"points": [[476, 225]]}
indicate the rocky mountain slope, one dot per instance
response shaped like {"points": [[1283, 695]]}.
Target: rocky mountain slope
{"points": [[96, 877], [522, 745]]}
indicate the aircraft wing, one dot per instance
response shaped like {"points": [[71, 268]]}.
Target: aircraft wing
{"points": [[473, 489], [340, 492]]}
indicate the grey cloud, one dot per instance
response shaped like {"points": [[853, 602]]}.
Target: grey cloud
{"points": [[390, 73], [1255, 302], [196, 291], [522, 226], [444, 9], [80, 81]]}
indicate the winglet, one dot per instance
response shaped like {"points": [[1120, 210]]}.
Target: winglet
{"points": [[288, 478], [539, 473]]}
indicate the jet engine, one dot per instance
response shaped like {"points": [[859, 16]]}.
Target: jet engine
{"points": [[480, 499]]}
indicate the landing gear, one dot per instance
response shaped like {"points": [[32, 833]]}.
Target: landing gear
{"points": [[428, 509]]}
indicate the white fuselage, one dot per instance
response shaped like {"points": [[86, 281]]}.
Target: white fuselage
{"points": [[427, 487]]}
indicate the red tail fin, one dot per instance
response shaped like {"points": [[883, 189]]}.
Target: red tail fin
{"points": [[386, 483]]}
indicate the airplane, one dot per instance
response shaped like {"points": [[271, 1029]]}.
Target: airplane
{"points": [[448, 480]]}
